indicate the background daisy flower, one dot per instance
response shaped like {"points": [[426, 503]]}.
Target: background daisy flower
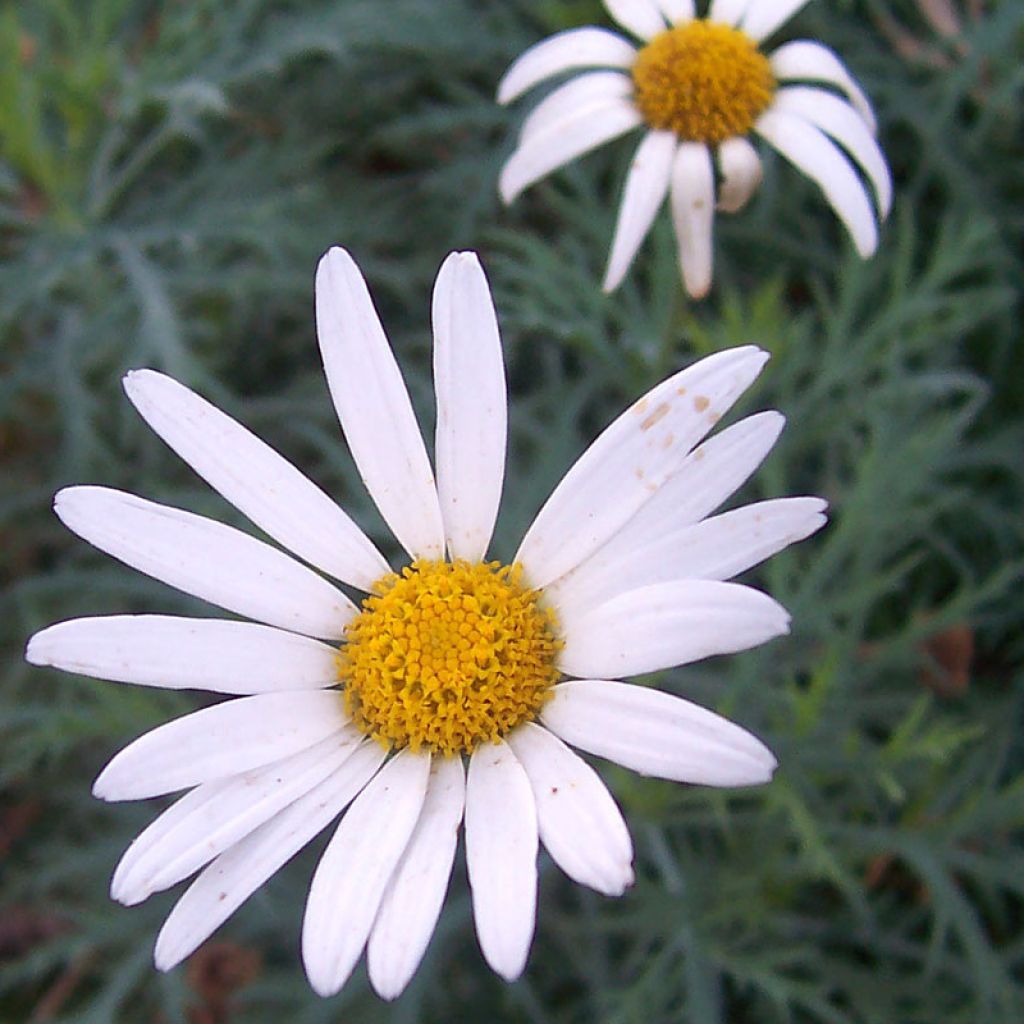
{"points": [[373, 707], [699, 87]]}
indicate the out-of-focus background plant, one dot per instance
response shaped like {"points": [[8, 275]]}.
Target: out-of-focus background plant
{"points": [[169, 173]]}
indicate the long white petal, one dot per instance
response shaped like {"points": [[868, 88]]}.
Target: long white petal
{"points": [[763, 17], [678, 11], [219, 816], [179, 653], [260, 483], [841, 121], [206, 559], [728, 12], [706, 477], [811, 151], [231, 737], [412, 904], [693, 214], [580, 91], [716, 549], [354, 871], [667, 624], [236, 874], [580, 824], [577, 133], [374, 408], [566, 51], [654, 733], [627, 464], [741, 173], [472, 417], [807, 60], [645, 191], [501, 855], [641, 17]]}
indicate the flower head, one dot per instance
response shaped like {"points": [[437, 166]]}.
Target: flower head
{"points": [[698, 87], [374, 710]]}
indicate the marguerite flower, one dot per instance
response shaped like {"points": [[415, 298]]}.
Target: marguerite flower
{"points": [[451, 661], [698, 87]]}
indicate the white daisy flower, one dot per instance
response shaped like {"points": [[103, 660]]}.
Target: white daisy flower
{"points": [[375, 707], [698, 87]]}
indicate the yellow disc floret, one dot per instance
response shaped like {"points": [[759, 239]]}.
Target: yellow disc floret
{"points": [[448, 655], [704, 81]]}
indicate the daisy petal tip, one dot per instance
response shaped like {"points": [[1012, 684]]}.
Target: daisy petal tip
{"points": [[698, 290], [164, 961], [336, 260], [35, 649]]}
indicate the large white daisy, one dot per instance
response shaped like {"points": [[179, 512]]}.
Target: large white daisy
{"points": [[699, 87], [452, 661]]}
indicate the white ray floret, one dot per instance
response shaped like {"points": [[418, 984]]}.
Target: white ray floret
{"points": [[501, 855], [595, 107], [238, 872], [578, 821], [221, 740], [656, 734], [471, 422], [207, 559], [412, 904], [255, 479], [355, 869], [623, 571], [374, 407], [218, 655]]}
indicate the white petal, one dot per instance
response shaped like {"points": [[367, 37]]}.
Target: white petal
{"points": [[810, 61], [741, 174], [576, 48], [374, 408], [412, 903], [581, 91], [641, 17], [727, 12], [501, 855], [656, 734], [238, 872], [667, 624], [472, 419], [580, 824], [646, 187], [627, 464], [693, 213], [715, 549], [576, 134], [678, 11], [179, 653], [811, 151], [840, 120], [180, 842], [206, 559], [355, 869], [231, 737], [268, 489], [706, 477], [763, 17]]}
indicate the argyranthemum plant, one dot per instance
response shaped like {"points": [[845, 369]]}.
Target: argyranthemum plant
{"points": [[450, 661], [698, 87]]}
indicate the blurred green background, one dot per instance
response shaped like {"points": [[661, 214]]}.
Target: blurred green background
{"points": [[169, 174]]}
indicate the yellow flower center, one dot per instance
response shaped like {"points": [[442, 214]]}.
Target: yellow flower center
{"points": [[704, 81], [448, 655]]}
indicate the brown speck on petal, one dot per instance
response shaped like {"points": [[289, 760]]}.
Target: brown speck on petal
{"points": [[700, 403], [659, 413]]}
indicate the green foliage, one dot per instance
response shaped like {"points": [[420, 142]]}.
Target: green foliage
{"points": [[169, 174]]}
